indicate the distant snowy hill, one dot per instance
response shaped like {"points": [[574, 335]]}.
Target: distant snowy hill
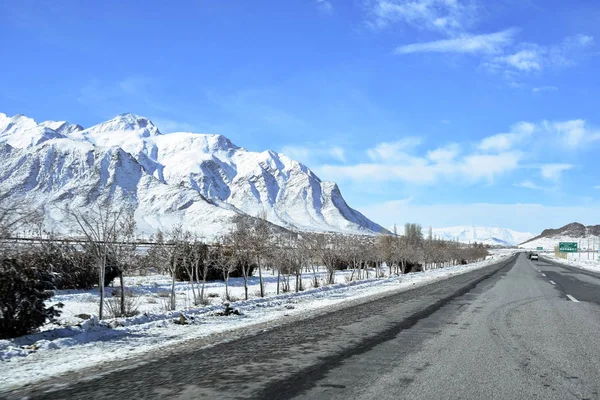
{"points": [[585, 236], [201, 180], [489, 236]]}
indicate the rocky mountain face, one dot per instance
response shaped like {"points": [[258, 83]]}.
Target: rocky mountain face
{"points": [[573, 232], [199, 180]]}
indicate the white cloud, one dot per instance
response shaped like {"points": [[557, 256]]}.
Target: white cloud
{"points": [[529, 185], [493, 156], [422, 170], [338, 153], [446, 16], [521, 217], [502, 141], [569, 51], [554, 171], [489, 43], [519, 133], [444, 154], [524, 60], [597, 187], [574, 133], [488, 166], [314, 152], [325, 6], [393, 151], [544, 89], [168, 125], [416, 172], [531, 57]]}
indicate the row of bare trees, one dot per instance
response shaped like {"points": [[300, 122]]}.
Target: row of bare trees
{"points": [[253, 246]]}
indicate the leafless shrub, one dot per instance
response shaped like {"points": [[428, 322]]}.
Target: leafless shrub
{"points": [[203, 302], [114, 309], [232, 299]]}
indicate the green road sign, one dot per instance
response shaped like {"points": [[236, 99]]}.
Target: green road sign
{"points": [[567, 247], [540, 248]]}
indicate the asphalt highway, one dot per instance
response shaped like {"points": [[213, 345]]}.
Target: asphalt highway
{"points": [[516, 330]]}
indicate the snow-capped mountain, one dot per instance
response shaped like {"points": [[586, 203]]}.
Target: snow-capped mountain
{"points": [[488, 236], [585, 236], [201, 180]]}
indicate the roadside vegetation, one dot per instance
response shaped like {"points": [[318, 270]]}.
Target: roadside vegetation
{"points": [[105, 249]]}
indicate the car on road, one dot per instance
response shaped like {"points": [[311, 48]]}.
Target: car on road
{"points": [[534, 256]]}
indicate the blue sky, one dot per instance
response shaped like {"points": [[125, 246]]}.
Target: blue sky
{"points": [[444, 112]]}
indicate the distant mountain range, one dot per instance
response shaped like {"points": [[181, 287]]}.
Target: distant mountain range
{"points": [[585, 236], [485, 235], [200, 180]]}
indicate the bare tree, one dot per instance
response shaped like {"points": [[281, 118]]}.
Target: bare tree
{"points": [[169, 254], [239, 238], [222, 258], [200, 266], [259, 240], [15, 216], [98, 225], [123, 249]]}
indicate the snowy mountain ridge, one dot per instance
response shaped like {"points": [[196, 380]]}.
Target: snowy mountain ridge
{"points": [[585, 236], [485, 235], [201, 180]]}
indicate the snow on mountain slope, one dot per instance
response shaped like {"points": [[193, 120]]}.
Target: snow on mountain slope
{"points": [[585, 236], [491, 236], [62, 174], [62, 127], [202, 177], [21, 131]]}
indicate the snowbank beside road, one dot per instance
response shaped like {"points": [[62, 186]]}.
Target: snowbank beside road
{"points": [[589, 265], [78, 343]]}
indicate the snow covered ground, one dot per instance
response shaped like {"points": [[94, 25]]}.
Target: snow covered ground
{"points": [[549, 243], [587, 264], [74, 343]]}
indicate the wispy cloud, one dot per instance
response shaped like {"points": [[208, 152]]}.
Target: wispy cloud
{"points": [[166, 125], [393, 151], [311, 153], [490, 43], [529, 185], [406, 161], [325, 6], [444, 154], [531, 57], [597, 187], [554, 171], [522, 217], [519, 133], [540, 89], [571, 134], [574, 133], [439, 164], [523, 60], [446, 16]]}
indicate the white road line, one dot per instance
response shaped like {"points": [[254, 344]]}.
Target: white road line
{"points": [[573, 299], [552, 282], [543, 274]]}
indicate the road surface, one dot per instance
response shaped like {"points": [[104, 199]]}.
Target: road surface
{"points": [[518, 330]]}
